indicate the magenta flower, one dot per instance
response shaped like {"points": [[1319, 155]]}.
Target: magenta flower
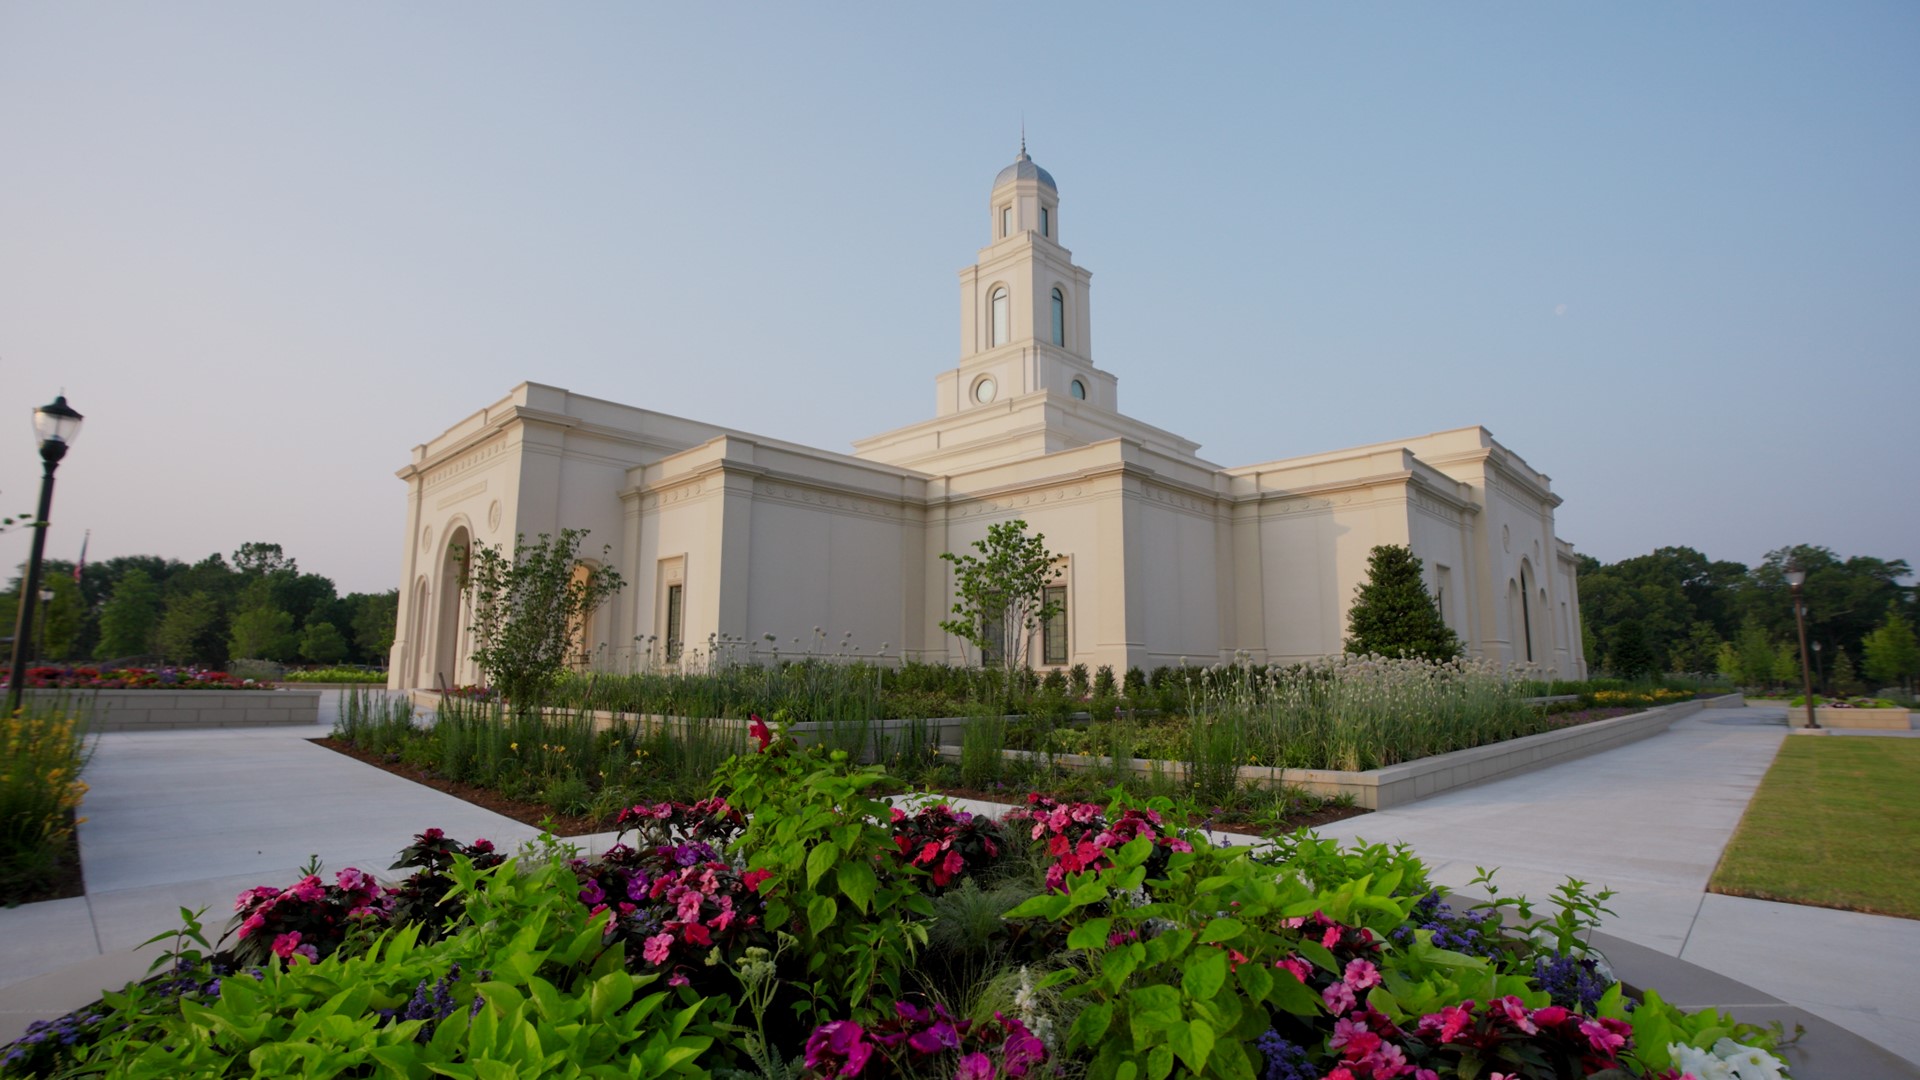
{"points": [[1339, 998], [975, 1066], [657, 948], [841, 1041]]}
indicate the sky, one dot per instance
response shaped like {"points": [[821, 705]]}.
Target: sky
{"points": [[1668, 253]]}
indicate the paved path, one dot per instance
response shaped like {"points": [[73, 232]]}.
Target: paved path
{"points": [[191, 818]]}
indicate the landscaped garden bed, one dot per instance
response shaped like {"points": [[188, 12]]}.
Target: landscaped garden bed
{"points": [[43, 750], [795, 925]]}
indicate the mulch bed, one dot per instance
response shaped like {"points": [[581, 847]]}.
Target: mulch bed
{"points": [[524, 811], [1226, 821], [537, 814]]}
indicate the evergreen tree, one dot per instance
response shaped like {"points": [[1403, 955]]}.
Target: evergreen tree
{"points": [[1392, 613], [1845, 679], [131, 619], [1630, 656]]}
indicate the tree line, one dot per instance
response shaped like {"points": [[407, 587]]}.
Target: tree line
{"points": [[1676, 610], [256, 605]]}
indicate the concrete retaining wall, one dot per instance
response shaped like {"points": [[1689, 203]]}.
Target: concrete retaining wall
{"points": [[167, 710], [1865, 719], [1397, 785]]}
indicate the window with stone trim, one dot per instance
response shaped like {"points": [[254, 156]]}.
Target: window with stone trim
{"points": [[1053, 632]]}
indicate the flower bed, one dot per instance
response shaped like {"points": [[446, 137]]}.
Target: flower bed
{"points": [[794, 919], [165, 678]]}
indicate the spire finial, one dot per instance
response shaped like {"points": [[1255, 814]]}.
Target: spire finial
{"points": [[1023, 134]]}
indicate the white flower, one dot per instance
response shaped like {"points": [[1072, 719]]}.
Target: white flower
{"points": [[1749, 1062], [1699, 1063]]}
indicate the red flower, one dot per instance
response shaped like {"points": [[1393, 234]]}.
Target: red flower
{"points": [[758, 729], [752, 879]]}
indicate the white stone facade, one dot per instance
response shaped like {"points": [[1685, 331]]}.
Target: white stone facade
{"points": [[728, 539]]}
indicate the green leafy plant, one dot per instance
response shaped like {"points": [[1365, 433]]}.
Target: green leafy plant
{"points": [[816, 848]]}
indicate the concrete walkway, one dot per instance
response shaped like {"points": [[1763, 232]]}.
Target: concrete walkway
{"points": [[191, 818]]}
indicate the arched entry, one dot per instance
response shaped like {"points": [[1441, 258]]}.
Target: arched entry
{"points": [[450, 649], [421, 620]]}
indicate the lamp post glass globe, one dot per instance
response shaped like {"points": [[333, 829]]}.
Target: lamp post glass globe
{"points": [[1796, 577], [56, 423]]}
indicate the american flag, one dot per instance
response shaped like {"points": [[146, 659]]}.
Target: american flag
{"points": [[82, 564]]}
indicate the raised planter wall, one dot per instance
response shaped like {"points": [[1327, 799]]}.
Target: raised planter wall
{"points": [[1866, 719], [1397, 785], [172, 710]]}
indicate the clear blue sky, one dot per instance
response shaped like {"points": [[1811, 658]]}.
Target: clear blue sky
{"points": [[1670, 253]]}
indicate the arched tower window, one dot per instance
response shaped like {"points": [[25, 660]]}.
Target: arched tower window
{"points": [[1059, 318], [1001, 316]]}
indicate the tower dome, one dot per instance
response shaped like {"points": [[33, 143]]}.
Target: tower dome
{"points": [[1023, 168]]}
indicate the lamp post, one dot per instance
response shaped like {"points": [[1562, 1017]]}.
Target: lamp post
{"points": [[46, 606], [55, 426], [1797, 577]]}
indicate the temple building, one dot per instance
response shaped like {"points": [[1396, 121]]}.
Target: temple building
{"points": [[732, 541]]}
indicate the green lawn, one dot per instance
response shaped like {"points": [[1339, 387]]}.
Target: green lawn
{"points": [[1836, 823]]}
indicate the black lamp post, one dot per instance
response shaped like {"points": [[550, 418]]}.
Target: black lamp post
{"points": [[55, 426], [1797, 577]]}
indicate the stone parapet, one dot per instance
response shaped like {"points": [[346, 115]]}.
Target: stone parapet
{"points": [[169, 710]]}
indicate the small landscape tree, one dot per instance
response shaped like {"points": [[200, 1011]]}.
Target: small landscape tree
{"points": [[527, 607], [1630, 657], [1392, 613], [322, 643], [1891, 653], [1000, 594], [262, 632]]}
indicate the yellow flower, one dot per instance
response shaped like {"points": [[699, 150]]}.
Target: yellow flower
{"points": [[514, 746]]}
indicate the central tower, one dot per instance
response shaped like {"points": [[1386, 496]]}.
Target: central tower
{"points": [[1024, 324]]}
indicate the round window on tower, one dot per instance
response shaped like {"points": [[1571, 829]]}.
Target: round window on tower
{"points": [[1078, 389], [984, 389]]}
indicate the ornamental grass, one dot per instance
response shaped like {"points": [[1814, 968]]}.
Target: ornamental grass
{"points": [[43, 749]]}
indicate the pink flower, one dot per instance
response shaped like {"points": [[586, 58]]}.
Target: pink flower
{"points": [[1605, 1036], [1339, 998], [285, 944], [975, 1066], [1361, 974], [657, 948], [1331, 938], [1514, 1011], [843, 1040], [1425, 1074], [309, 889], [1354, 1037], [1387, 1062], [1294, 966]]}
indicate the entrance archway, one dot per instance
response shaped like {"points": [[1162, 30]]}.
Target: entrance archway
{"points": [[450, 637]]}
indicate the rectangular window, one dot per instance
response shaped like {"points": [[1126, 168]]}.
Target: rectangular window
{"points": [[1053, 633], [1006, 221], [675, 617], [993, 629], [1046, 225]]}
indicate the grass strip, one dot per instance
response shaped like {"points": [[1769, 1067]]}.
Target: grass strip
{"points": [[1835, 823]]}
